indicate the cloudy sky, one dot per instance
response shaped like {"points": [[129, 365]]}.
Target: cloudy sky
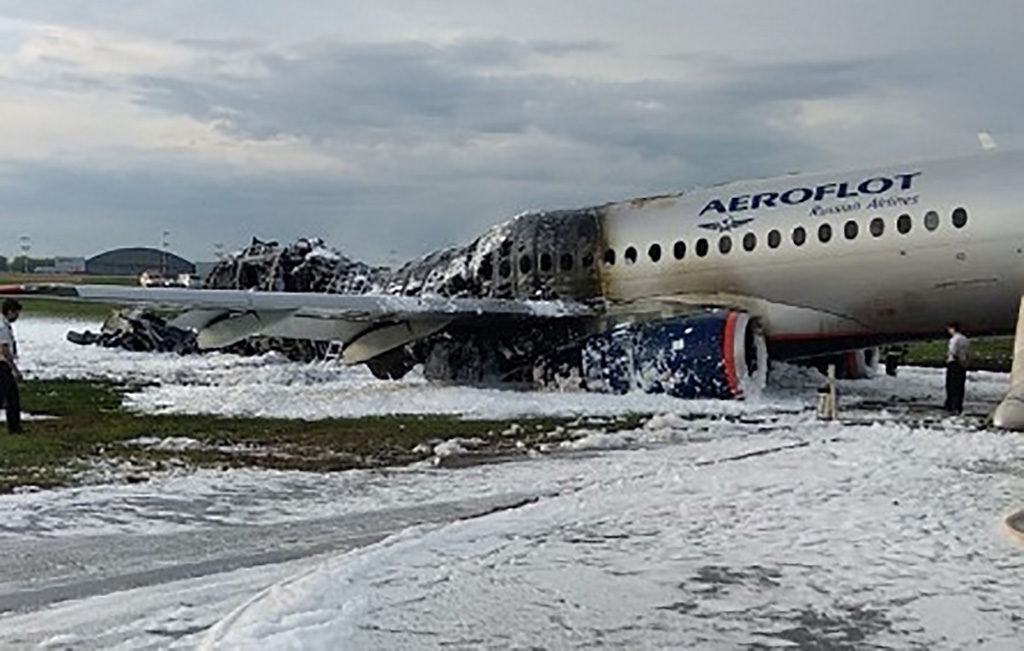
{"points": [[395, 126]]}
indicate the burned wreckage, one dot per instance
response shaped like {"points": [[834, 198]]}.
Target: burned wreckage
{"points": [[557, 260]]}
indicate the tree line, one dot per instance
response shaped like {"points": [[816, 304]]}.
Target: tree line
{"points": [[22, 263]]}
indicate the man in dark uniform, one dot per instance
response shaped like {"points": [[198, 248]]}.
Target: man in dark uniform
{"points": [[10, 309], [956, 368]]}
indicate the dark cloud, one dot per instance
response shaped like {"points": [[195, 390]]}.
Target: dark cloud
{"points": [[415, 92]]}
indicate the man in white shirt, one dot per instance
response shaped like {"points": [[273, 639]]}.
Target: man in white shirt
{"points": [[10, 309], [956, 368]]}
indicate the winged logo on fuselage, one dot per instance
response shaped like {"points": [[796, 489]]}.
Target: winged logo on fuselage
{"points": [[726, 224]]}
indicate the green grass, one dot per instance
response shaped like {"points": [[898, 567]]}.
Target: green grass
{"points": [[17, 278], [91, 426], [987, 353], [52, 307]]}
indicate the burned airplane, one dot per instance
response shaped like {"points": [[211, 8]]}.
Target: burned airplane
{"points": [[689, 294]]}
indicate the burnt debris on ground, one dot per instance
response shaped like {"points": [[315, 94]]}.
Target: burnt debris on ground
{"points": [[139, 330]]}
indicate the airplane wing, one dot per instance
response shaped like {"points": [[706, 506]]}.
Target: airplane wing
{"points": [[366, 324]]}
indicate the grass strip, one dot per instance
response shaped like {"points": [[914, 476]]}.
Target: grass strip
{"points": [[16, 278], [91, 426], [65, 309], [987, 353]]}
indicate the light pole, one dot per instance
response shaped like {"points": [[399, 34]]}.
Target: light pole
{"points": [[163, 254], [25, 242]]}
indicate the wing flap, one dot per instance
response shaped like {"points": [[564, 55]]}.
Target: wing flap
{"points": [[377, 341]]}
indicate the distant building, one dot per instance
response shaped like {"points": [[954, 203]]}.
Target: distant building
{"points": [[136, 260], [63, 265]]}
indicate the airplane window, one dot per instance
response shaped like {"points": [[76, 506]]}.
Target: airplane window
{"points": [[824, 233], [609, 257], [679, 250], [799, 236], [487, 266], [851, 229], [505, 269], [702, 247], [725, 244], [749, 242], [630, 255], [877, 226], [959, 217], [931, 220], [903, 224], [774, 239], [567, 261], [545, 260], [654, 252], [588, 260], [524, 264]]}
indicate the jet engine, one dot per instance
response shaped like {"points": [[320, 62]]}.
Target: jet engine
{"points": [[719, 354], [714, 355]]}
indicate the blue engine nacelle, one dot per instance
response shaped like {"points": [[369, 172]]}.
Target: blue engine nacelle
{"points": [[713, 355]]}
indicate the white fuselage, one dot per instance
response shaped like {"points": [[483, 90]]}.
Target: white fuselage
{"points": [[857, 283]]}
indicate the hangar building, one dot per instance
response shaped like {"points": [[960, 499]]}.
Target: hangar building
{"points": [[135, 260]]}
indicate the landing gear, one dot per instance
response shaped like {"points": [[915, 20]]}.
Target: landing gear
{"points": [[894, 357]]}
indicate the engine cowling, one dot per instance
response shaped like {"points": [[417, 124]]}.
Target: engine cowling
{"points": [[714, 355]]}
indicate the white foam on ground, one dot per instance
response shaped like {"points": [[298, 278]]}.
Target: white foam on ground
{"points": [[875, 535], [716, 524]]}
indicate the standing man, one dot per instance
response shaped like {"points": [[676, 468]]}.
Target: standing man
{"points": [[956, 368], [10, 309]]}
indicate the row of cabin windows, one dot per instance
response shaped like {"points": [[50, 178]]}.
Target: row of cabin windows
{"points": [[566, 262], [851, 230]]}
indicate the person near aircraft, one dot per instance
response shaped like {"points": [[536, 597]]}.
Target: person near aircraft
{"points": [[10, 309], [956, 368]]}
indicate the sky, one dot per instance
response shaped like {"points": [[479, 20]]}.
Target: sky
{"points": [[394, 127]]}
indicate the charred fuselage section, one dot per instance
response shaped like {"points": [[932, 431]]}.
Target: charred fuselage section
{"points": [[537, 255]]}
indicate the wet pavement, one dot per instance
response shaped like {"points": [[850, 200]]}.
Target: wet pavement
{"points": [[43, 576]]}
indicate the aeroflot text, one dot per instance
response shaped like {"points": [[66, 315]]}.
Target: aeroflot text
{"points": [[796, 196]]}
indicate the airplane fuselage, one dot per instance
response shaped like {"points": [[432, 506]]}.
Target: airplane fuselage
{"points": [[872, 255]]}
